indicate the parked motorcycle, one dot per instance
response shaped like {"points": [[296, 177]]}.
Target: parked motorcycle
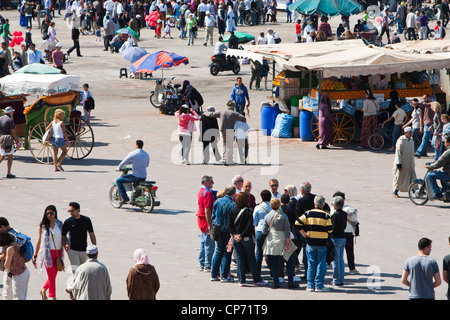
{"points": [[222, 63], [420, 189], [141, 194], [166, 97]]}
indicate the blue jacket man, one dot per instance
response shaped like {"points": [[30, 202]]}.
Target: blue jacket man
{"points": [[239, 94]]}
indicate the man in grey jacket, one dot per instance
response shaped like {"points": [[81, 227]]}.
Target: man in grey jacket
{"points": [[109, 32], [443, 175], [227, 119]]}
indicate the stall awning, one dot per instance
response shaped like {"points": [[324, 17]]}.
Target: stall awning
{"points": [[349, 58]]}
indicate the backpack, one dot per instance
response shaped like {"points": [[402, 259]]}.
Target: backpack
{"points": [[26, 248], [89, 104], [443, 33]]}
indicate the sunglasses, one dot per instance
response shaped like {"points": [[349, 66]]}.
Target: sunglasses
{"points": [[50, 212], [274, 185]]}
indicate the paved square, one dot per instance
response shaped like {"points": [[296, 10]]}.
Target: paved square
{"points": [[390, 228]]}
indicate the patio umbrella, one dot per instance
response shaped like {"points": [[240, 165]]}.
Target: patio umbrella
{"points": [[128, 31], [158, 60], [242, 37], [327, 7], [133, 54], [38, 68]]}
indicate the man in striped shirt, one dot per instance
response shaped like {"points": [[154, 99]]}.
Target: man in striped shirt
{"points": [[315, 225], [58, 57]]}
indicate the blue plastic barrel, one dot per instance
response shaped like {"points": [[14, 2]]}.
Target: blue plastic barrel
{"points": [[269, 114], [305, 125]]}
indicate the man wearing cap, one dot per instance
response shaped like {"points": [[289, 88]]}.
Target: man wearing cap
{"points": [[404, 171], [228, 117], [91, 280], [7, 138], [58, 57], [209, 129], [210, 23]]}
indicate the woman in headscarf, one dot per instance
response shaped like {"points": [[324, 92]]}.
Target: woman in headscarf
{"points": [[142, 280], [325, 123], [370, 119]]}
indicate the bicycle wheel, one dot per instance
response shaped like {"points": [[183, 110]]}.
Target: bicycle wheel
{"points": [[376, 141]]}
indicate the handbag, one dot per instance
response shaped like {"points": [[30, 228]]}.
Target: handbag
{"points": [[216, 229], [47, 137], [59, 261]]}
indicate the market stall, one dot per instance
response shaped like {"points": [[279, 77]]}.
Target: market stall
{"points": [[345, 70]]}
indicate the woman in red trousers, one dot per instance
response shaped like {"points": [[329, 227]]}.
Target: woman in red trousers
{"points": [[48, 247]]}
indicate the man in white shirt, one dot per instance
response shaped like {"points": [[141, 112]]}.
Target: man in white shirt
{"points": [[262, 39], [411, 25], [201, 12], [220, 47], [109, 7], [35, 56], [210, 23], [119, 9]]}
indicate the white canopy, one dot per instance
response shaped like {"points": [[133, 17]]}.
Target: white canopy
{"points": [[41, 84], [348, 58]]}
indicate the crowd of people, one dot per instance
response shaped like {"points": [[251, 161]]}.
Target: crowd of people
{"points": [[90, 278], [284, 229]]}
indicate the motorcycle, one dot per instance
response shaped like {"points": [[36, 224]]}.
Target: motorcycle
{"points": [[158, 95], [420, 189], [173, 100], [141, 194], [222, 63]]}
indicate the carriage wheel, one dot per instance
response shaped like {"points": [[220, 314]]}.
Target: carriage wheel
{"points": [[42, 151], [344, 128], [315, 126], [81, 138]]}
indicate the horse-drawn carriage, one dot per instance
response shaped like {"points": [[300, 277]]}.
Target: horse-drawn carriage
{"points": [[31, 123]]}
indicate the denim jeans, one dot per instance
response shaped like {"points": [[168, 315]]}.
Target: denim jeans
{"points": [[276, 261], [396, 133], [207, 246], [435, 175], [338, 262], [260, 238], [129, 178], [427, 135], [317, 265], [245, 254], [222, 258]]}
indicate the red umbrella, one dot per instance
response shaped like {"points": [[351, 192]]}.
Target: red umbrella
{"points": [[154, 61]]}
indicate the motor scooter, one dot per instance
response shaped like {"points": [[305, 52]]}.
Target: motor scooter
{"points": [[420, 190], [141, 194], [222, 63]]}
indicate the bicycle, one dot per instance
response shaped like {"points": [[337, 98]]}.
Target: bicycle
{"points": [[377, 140], [430, 35]]}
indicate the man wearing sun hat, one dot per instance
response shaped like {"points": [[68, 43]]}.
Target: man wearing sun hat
{"points": [[404, 171], [7, 138], [91, 280]]}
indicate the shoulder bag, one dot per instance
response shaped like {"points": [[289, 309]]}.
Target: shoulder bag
{"points": [[47, 137], [216, 229], [59, 261]]}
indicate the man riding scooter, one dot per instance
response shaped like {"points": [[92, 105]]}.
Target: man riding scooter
{"points": [[442, 175], [139, 160]]}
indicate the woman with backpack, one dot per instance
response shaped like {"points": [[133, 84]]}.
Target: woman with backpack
{"points": [[15, 267], [48, 247]]}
